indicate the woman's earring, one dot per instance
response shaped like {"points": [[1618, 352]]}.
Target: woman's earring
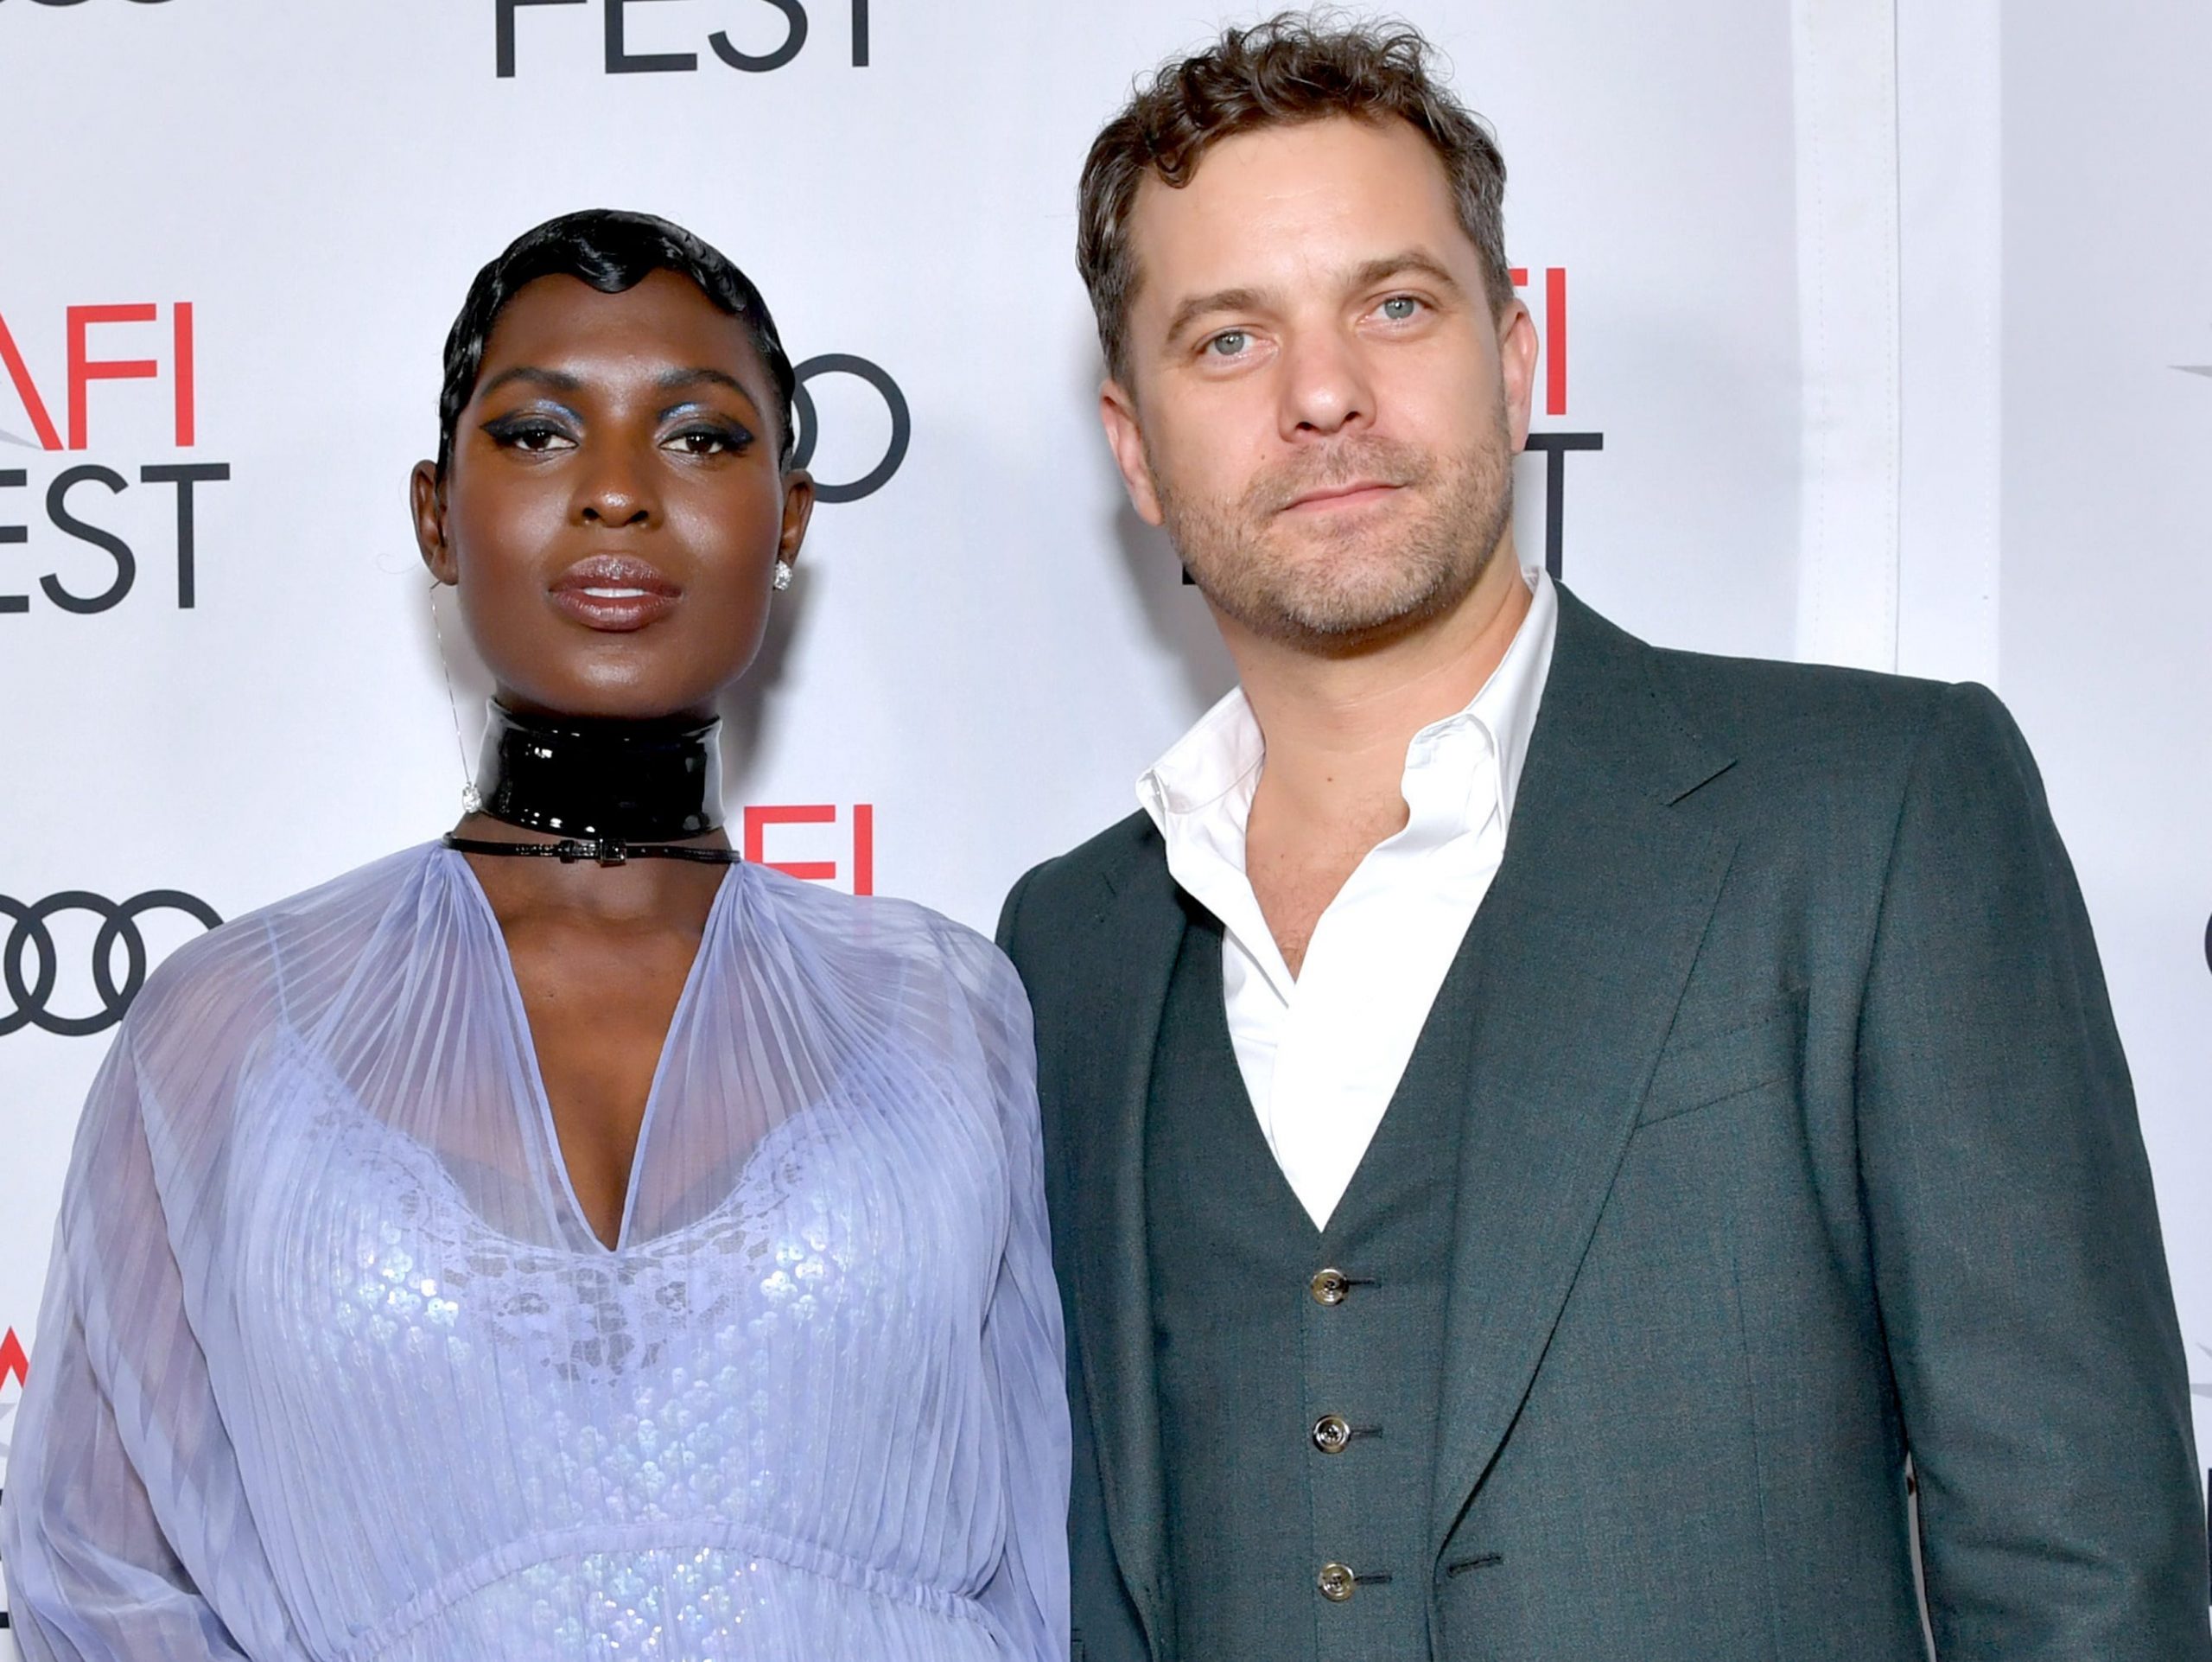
{"points": [[783, 577], [470, 801]]}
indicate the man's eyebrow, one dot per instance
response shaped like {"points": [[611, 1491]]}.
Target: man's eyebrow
{"points": [[1221, 300], [1412, 263], [553, 380]]}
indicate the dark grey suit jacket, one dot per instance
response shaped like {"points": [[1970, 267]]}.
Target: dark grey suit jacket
{"points": [[1798, 1139]]}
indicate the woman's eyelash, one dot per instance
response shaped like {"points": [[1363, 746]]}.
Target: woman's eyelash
{"points": [[729, 437], [520, 430], [534, 432]]}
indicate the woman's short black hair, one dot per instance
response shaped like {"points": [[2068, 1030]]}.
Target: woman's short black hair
{"points": [[613, 251]]}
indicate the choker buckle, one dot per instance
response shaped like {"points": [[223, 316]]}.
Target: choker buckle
{"points": [[606, 850]]}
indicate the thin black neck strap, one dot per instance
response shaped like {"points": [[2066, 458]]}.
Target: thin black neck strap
{"points": [[601, 850]]}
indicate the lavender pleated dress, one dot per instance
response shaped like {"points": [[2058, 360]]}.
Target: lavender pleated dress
{"points": [[330, 1365]]}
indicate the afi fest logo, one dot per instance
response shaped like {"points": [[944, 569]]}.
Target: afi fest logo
{"points": [[857, 835], [90, 566], [762, 35], [1551, 328], [14, 1369]]}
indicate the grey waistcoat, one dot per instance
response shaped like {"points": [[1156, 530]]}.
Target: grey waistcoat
{"points": [[1266, 1362]]}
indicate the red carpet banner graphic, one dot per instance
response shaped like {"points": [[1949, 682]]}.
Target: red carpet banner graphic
{"points": [[1873, 333]]}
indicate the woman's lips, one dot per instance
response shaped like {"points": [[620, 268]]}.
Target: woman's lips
{"points": [[614, 593]]}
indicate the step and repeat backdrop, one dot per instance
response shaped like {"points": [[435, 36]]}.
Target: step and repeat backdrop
{"points": [[1878, 334]]}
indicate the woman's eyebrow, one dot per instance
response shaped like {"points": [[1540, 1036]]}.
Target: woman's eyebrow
{"points": [[681, 378], [552, 379]]}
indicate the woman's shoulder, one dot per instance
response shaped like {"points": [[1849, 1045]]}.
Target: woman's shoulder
{"points": [[885, 939], [254, 963]]}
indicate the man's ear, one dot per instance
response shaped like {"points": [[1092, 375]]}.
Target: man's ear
{"points": [[1516, 362], [429, 503], [1117, 413]]}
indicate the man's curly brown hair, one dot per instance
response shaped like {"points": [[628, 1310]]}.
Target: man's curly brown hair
{"points": [[1292, 68]]}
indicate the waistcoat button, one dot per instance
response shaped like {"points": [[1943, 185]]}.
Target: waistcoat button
{"points": [[1329, 1287], [1331, 1433], [1335, 1582]]}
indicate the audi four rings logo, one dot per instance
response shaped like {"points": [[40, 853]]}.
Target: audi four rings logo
{"points": [[809, 426], [30, 960]]}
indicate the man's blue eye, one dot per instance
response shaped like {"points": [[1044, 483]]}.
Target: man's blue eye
{"points": [[1229, 343], [1398, 308]]}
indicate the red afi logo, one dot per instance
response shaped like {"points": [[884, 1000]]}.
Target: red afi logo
{"points": [[758, 819], [84, 369], [1553, 334], [14, 1364]]}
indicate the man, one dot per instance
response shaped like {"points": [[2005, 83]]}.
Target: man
{"points": [[1541, 1130]]}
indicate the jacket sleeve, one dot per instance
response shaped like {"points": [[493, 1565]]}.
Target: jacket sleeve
{"points": [[125, 1532], [2018, 1268]]}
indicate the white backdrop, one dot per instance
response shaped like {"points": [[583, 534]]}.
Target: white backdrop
{"points": [[1872, 306]]}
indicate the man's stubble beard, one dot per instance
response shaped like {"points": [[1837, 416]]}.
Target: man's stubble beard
{"points": [[1334, 595]]}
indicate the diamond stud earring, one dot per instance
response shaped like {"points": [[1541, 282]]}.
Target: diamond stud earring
{"points": [[783, 577]]}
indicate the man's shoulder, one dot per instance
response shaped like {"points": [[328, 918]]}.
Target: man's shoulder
{"points": [[1747, 709], [1804, 744], [1806, 740], [1741, 708], [1752, 706], [1071, 888]]}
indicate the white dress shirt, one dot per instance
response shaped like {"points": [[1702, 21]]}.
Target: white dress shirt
{"points": [[1322, 1053]]}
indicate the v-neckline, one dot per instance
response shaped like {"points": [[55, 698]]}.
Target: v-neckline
{"points": [[541, 1100]]}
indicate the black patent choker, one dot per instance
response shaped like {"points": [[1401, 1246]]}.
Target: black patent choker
{"points": [[611, 791]]}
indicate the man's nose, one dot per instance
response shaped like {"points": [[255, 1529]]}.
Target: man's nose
{"points": [[1326, 387]]}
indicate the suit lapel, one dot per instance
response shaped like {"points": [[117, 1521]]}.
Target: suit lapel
{"points": [[1136, 938], [1583, 948]]}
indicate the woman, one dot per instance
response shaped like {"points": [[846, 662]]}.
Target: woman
{"points": [[622, 1253]]}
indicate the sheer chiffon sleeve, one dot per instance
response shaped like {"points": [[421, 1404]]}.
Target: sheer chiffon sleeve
{"points": [[118, 1410], [1028, 1596]]}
